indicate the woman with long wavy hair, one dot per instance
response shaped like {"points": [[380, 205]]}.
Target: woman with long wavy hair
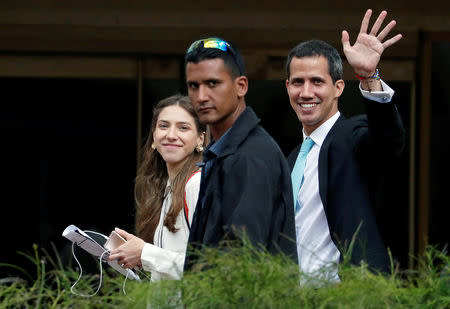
{"points": [[166, 191]]}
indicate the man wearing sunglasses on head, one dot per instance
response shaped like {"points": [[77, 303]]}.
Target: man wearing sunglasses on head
{"points": [[245, 188]]}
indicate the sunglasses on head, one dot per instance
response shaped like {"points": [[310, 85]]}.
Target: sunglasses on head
{"points": [[210, 43], [215, 43]]}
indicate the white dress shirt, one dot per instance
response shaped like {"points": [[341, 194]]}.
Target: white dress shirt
{"points": [[318, 255], [165, 259]]}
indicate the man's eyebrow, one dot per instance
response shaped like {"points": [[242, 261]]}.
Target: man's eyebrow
{"points": [[318, 78]]}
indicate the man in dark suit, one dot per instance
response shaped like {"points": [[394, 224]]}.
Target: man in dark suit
{"points": [[332, 190]]}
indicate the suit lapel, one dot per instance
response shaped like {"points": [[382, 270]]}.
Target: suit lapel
{"points": [[324, 159]]}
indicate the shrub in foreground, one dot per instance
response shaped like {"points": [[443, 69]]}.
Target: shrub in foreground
{"points": [[236, 277]]}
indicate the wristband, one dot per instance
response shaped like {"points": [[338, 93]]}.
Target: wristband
{"points": [[375, 76]]}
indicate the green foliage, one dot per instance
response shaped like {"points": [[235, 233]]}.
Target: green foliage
{"points": [[51, 287], [236, 277]]}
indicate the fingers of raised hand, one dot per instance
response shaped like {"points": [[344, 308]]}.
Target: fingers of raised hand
{"points": [[376, 26], [392, 41], [365, 21], [386, 30]]}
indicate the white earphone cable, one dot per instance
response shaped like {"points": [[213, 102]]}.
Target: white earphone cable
{"points": [[72, 288]]}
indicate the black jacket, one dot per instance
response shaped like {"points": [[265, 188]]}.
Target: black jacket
{"points": [[248, 188], [350, 163]]}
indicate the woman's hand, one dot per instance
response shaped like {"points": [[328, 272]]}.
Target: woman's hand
{"points": [[129, 254]]}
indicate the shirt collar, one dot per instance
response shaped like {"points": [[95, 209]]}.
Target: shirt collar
{"points": [[216, 147], [168, 188], [234, 136], [319, 134]]}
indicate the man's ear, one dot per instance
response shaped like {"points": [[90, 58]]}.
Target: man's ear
{"points": [[241, 84], [339, 86]]}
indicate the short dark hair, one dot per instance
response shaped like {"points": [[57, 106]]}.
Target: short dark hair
{"points": [[232, 58], [317, 48]]}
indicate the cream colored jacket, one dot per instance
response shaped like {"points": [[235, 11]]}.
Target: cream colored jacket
{"points": [[165, 259]]}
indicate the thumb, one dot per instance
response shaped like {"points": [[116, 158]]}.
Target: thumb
{"points": [[123, 233], [345, 39]]}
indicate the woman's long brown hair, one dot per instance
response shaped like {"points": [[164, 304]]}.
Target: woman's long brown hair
{"points": [[152, 176]]}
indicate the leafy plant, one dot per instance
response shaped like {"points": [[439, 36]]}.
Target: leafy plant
{"points": [[235, 277]]}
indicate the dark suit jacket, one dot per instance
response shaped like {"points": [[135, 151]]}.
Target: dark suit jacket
{"points": [[350, 160], [248, 188]]}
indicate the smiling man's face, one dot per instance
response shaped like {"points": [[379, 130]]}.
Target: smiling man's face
{"points": [[312, 93]]}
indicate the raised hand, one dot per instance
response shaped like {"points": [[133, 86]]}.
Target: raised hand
{"points": [[365, 54]]}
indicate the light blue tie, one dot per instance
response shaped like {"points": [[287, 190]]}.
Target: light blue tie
{"points": [[299, 167]]}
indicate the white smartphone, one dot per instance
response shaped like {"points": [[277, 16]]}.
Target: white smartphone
{"points": [[114, 241]]}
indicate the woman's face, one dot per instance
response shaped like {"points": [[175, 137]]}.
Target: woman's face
{"points": [[176, 135]]}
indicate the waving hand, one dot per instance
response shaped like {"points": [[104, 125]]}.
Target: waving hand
{"points": [[365, 54]]}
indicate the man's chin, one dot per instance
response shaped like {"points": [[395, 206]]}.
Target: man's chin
{"points": [[207, 119], [307, 120]]}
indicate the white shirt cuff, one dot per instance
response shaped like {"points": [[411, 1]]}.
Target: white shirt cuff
{"points": [[384, 96]]}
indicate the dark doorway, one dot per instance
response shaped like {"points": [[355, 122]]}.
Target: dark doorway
{"points": [[68, 157], [439, 145]]}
